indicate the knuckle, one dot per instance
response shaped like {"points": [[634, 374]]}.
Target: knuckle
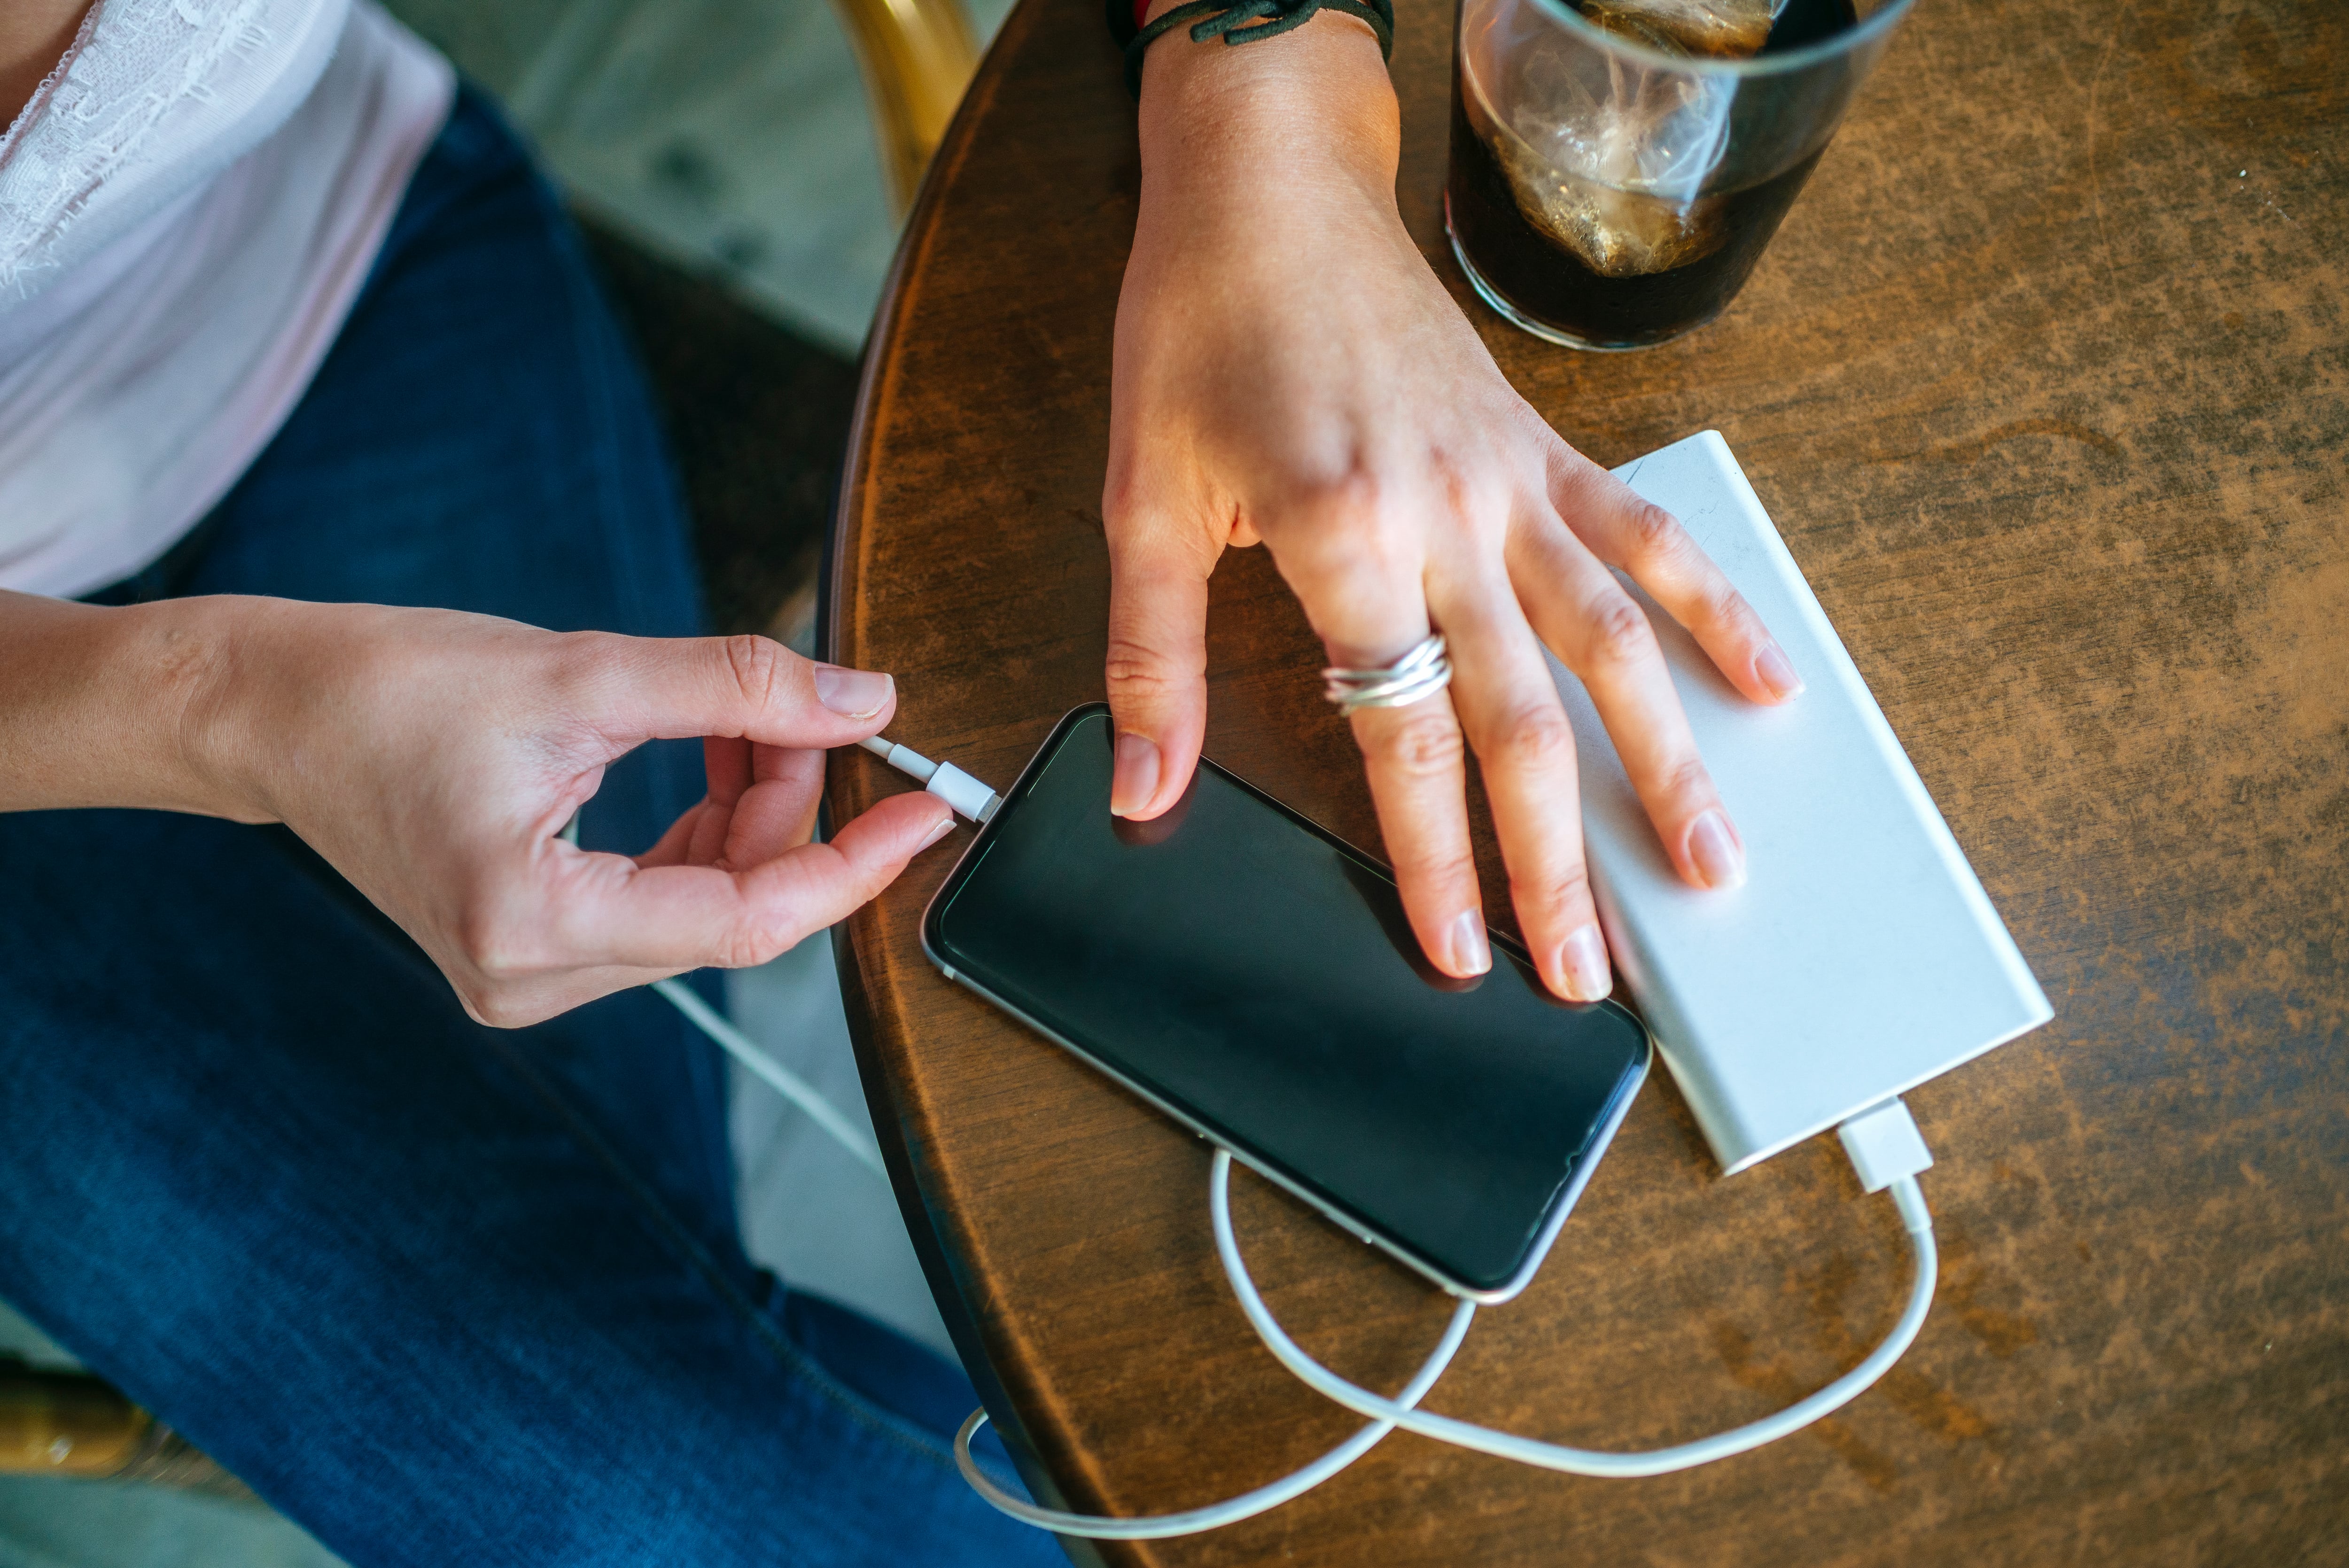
{"points": [[1535, 740], [1356, 528], [757, 944], [1478, 496], [1687, 781], [757, 665], [581, 662], [1123, 496], [1724, 605], [490, 956], [1619, 634], [1564, 891], [1465, 494], [499, 1010], [474, 999], [1649, 531], [1448, 868], [1358, 595], [493, 946], [1350, 497], [756, 928], [1135, 668], [1421, 746]]}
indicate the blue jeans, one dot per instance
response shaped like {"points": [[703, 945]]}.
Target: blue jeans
{"points": [[442, 1293]]}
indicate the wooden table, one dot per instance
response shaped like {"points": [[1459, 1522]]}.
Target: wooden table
{"points": [[2046, 382]]}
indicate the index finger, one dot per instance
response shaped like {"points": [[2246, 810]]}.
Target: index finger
{"points": [[1157, 665], [635, 689]]}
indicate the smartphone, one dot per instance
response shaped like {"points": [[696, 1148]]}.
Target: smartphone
{"points": [[1253, 976]]}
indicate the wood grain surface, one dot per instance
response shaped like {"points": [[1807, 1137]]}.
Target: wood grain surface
{"points": [[2046, 382]]}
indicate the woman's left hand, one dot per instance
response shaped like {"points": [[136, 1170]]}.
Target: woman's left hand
{"points": [[1290, 371]]}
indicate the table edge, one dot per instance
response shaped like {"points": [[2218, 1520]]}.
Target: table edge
{"points": [[842, 545]]}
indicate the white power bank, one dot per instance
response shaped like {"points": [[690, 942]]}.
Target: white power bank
{"points": [[1861, 957]]}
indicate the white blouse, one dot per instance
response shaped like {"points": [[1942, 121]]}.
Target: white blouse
{"points": [[188, 207]]}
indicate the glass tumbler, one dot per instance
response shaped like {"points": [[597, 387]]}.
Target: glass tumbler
{"points": [[1619, 165]]}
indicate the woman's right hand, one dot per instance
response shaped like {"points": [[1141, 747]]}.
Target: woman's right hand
{"points": [[434, 757]]}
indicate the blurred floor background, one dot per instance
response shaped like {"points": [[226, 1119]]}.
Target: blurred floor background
{"points": [[721, 158], [728, 136]]}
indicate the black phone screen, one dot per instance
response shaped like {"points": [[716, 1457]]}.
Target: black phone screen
{"points": [[1256, 974]]}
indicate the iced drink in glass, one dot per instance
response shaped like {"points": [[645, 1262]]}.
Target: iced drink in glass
{"points": [[1617, 166]]}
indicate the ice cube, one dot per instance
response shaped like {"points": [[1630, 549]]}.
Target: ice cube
{"points": [[1614, 176], [1610, 156], [1616, 234], [1720, 29]]}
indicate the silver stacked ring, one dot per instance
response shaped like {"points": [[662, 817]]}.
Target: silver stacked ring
{"points": [[1423, 671]]}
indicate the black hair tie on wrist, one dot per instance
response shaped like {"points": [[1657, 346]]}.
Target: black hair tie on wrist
{"points": [[1248, 21]]}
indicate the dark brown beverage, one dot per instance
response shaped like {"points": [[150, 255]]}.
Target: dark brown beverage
{"points": [[1660, 268]]}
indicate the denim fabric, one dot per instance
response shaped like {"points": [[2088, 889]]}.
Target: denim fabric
{"points": [[443, 1293]]}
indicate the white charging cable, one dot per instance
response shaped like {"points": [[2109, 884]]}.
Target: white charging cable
{"points": [[1886, 1150], [958, 790], [1231, 1511], [738, 1045], [778, 1077]]}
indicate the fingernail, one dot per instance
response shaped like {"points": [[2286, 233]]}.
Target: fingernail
{"points": [[852, 694], [1588, 977], [940, 831], [1136, 779], [1713, 846], [1471, 954], [1776, 673]]}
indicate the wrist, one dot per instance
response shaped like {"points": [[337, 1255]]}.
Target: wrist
{"points": [[1314, 102], [224, 655], [191, 661]]}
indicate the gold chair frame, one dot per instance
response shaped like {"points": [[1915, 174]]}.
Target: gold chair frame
{"points": [[917, 56]]}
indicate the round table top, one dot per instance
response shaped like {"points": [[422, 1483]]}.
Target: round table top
{"points": [[2047, 383]]}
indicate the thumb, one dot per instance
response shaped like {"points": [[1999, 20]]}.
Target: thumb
{"points": [[608, 910], [1157, 667], [660, 689]]}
